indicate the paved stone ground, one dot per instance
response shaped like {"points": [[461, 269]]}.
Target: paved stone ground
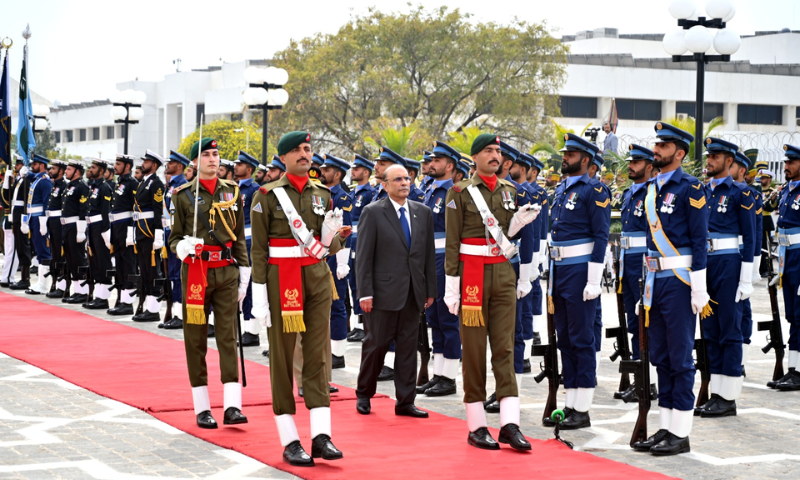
{"points": [[52, 429]]}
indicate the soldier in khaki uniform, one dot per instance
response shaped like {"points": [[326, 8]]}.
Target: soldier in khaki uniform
{"points": [[215, 270], [481, 215], [294, 227]]}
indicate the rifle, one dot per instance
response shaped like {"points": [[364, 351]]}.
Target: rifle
{"points": [[775, 337], [67, 278], [424, 348], [702, 365], [621, 348], [550, 365], [89, 279], [137, 279], [641, 373], [116, 286]]}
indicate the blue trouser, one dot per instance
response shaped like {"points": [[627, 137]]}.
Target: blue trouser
{"points": [[631, 296], [352, 279], [444, 325], [671, 336], [174, 274], [598, 325], [519, 343], [338, 308], [247, 302], [531, 305], [747, 321], [39, 242], [792, 303], [574, 321], [723, 328]]}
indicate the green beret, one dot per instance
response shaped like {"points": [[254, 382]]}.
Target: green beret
{"points": [[482, 141], [208, 144], [292, 140]]}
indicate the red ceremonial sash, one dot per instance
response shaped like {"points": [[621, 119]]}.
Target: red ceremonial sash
{"points": [[472, 282], [290, 283], [196, 282]]}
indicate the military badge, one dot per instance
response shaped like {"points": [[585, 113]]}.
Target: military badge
{"points": [[573, 197], [438, 206], [669, 204], [722, 206], [508, 200], [639, 209], [796, 203], [318, 204]]}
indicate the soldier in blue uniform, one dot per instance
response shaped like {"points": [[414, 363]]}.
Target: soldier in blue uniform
{"points": [[443, 324], [675, 289], [416, 194], [174, 167], [731, 214], [581, 217], [361, 196], [594, 169], [243, 169], [633, 248], [35, 222], [122, 234], [73, 220], [333, 173], [788, 236], [275, 170], [425, 165], [462, 170]]}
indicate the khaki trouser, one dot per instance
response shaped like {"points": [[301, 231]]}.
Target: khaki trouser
{"points": [[298, 362]]}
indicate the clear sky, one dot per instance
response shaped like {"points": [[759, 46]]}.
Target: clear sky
{"points": [[81, 48]]}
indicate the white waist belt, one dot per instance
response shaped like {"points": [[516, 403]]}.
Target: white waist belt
{"points": [[68, 220], [563, 252], [633, 242], [715, 244], [248, 232], [52, 213], [32, 210], [355, 228], [479, 250], [94, 219], [142, 215], [787, 240], [440, 242], [120, 216], [18, 203], [288, 252], [669, 263]]}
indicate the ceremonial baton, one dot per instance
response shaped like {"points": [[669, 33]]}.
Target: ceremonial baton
{"points": [[197, 187]]}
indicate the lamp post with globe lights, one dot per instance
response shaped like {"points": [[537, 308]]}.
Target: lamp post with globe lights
{"points": [[40, 114], [265, 92], [127, 109], [695, 36]]}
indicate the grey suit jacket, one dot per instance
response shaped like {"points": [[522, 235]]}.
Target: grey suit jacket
{"points": [[385, 265]]}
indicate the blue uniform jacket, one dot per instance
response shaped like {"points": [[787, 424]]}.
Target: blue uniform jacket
{"points": [[379, 193], [39, 193], [416, 194], [789, 209], [342, 200], [435, 200], [731, 211], [539, 197], [248, 188], [361, 196], [589, 216], [632, 213], [173, 184], [759, 208]]}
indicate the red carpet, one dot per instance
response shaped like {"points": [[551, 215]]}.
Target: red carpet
{"points": [[147, 371]]}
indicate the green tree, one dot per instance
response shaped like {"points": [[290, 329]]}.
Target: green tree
{"points": [[231, 137], [688, 124], [407, 141], [433, 68], [462, 139]]}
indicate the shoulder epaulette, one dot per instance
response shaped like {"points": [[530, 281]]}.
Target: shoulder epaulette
{"points": [[461, 185], [183, 187]]}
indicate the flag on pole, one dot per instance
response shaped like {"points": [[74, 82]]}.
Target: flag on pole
{"points": [[5, 114], [25, 141], [613, 118]]}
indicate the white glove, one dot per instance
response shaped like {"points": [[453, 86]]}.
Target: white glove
{"points": [[244, 280], [535, 267], [452, 293], [524, 286], [23, 172], [106, 236], [745, 289], [186, 246], [80, 237], [260, 308], [636, 308], [158, 239], [700, 296], [595, 276], [24, 227], [43, 226], [129, 237], [525, 215], [343, 263], [332, 223], [774, 281], [7, 180]]}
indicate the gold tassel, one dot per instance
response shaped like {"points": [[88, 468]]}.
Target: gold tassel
{"points": [[706, 312], [551, 308], [195, 315], [619, 288], [293, 322], [472, 316], [90, 251], [48, 242], [153, 258], [62, 251], [333, 288], [111, 249], [780, 281], [135, 250], [646, 317], [164, 252]]}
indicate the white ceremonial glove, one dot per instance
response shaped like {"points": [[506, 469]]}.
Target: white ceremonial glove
{"points": [[775, 280], [595, 276], [186, 246], [24, 227], [23, 172], [343, 263], [129, 237], [700, 296], [524, 286], [636, 308], [7, 180], [535, 267], [543, 253], [43, 226], [332, 223], [158, 239], [745, 289], [80, 237], [452, 293], [525, 215], [106, 236], [244, 280], [260, 308]]}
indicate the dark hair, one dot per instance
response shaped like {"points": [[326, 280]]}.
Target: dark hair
{"points": [[682, 146]]}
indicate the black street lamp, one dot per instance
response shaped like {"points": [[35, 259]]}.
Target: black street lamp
{"points": [[696, 37], [265, 92], [127, 109]]}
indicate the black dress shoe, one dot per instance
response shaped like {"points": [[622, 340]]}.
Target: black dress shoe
{"points": [[77, 299], [493, 407], [96, 304], [356, 335], [57, 293], [386, 374], [445, 386], [337, 362], [631, 395], [709, 403], [627, 392], [233, 416], [719, 408], [265, 353], [147, 316], [429, 384], [526, 365], [300, 392], [481, 438], [537, 339], [4, 284], [294, 455], [363, 406], [774, 383], [205, 420], [322, 447], [250, 340], [646, 445], [210, 331], [410, 411], [332, 389], [121, 309], [492, 398], [671, 445], [21, 285], [32, 292], [173, 323], [576, 420], [790, 384], [511, 435], [549, 422]]}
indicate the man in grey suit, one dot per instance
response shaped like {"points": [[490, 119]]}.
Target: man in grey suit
{"points": [[396, 277]]}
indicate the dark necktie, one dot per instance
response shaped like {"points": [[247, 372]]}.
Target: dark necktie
{"points": [[404, 225]]}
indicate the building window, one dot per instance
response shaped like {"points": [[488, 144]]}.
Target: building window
{"points": [[110, 132], [96, 133], [201, 109], [82, 134], [236, 117], [69, 135], [760, 114], [629, 109], [122, 130], [797, 112], [578, 107], [58, 137], [710, 110]]}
